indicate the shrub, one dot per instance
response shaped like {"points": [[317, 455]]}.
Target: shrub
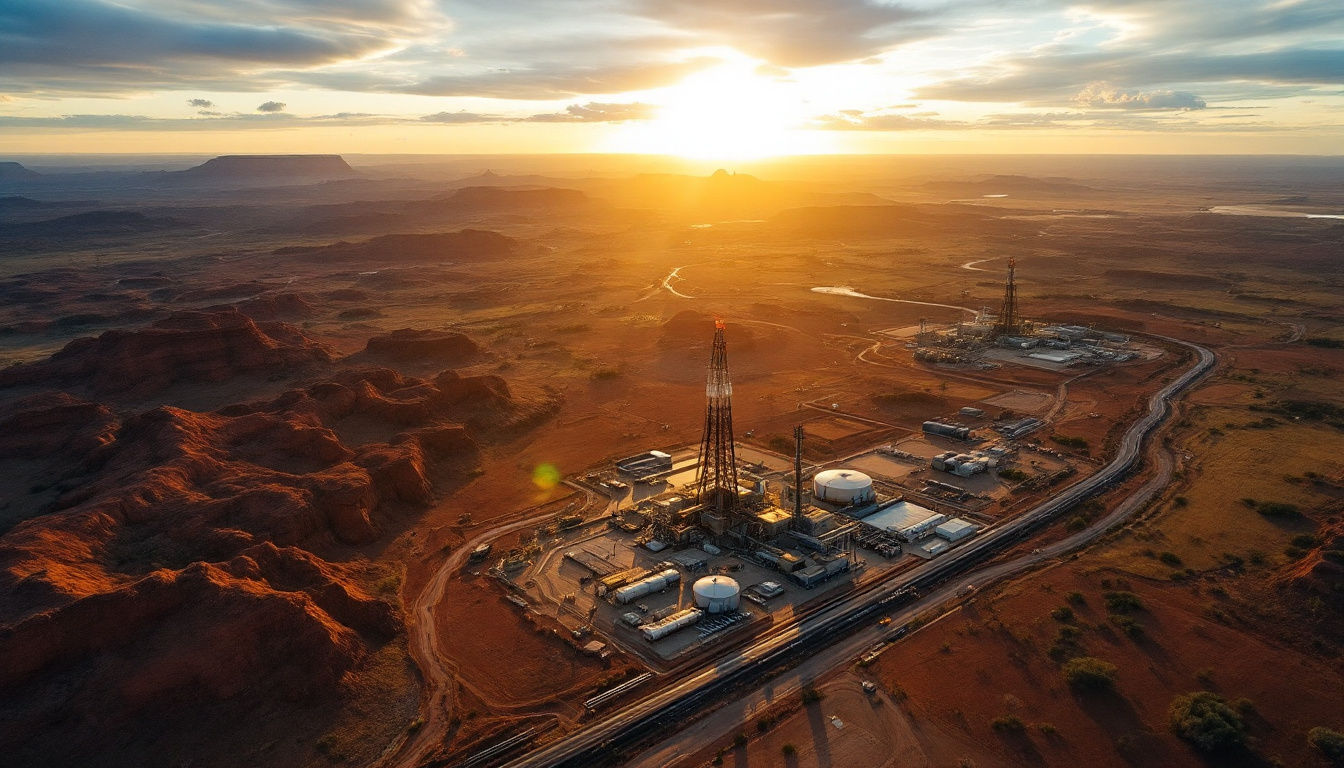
{"points": [[811, 695], [330, 747], [1086, 673], [606, 374], [1070, 442], [1306, 540], [1015, 475], [389, 584], [740, 740], [1062, 613], [1170, 558], [1008, 724], [1277, 509], [1294, 553], [1122, 602], [1206, 721], [1075, 524], [788, 749], [1076, 598], [1330, 743], [1180, 501], [1048, 729], [1127, 625], [1068, 635], [1325, 342]]}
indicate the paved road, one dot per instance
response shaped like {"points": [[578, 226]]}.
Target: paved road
{"points": [[813, 633]]}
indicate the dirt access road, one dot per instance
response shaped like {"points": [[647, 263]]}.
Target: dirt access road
{"points": [[412, 749]]}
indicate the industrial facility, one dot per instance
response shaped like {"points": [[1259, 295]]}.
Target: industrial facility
{"points": [[989, 338], [701, 544]]}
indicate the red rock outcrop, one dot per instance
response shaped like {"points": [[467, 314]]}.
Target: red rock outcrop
{"points": [[171, 565], [277, 306], [54, 422], [411, 344], [187, 346]]}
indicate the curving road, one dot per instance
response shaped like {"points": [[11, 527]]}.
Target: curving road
{"points": [[423, 634], [696, 690]]}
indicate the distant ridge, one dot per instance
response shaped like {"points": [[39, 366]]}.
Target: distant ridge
{"points": [[271, 167], [14, 171], [90, 224]]}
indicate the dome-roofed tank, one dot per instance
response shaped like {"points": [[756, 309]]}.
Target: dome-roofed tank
{"points": [[716, 594], [842, 486]]}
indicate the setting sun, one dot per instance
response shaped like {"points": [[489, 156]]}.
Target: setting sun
{"points": [[727, 113]]}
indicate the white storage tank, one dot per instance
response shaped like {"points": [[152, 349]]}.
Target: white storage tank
{"points": [[716, 594], [647, 586], [843, 486]]}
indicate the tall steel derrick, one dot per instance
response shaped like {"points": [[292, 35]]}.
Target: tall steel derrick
{"points": [[716, 478], [1008, 321]]}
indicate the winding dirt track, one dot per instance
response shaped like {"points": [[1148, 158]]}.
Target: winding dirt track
{"points": [[437, 697]]}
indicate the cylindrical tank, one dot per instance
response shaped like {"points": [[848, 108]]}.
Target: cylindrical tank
{"points": [[843, 486], [716, 594], [655, 583], [671, 624]]}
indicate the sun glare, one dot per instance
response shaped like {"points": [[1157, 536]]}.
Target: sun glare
{"points": [[725, 113]]}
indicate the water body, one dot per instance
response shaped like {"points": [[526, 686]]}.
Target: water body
{"points": [[971, 264], [667, 283], [844, 290], [1276, 213]]}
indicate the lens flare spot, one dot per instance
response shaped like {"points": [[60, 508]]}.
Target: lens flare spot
{"points": [[546, 477]]}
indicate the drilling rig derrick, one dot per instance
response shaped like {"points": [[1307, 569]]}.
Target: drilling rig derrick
{"points": [[716, 478]]}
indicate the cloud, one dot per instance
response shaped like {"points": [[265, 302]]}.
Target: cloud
{"points": [[272, 106], [210, 121], [1105, 96], [798, 33], [92, 46], [546, 81], [855, 120], [462, 118], [595, 112], [1057, 79], [201, 103]]}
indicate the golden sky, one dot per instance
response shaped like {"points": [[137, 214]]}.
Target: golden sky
{"points": [[730, 79]]}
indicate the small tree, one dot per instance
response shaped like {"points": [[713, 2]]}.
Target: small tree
{"points": [[1331, 743], [1087, 673], [1122, 602], [1206, 721]]}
